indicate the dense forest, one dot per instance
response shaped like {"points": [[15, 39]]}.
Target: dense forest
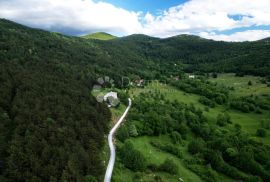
{"points": [[52, 128], [194, 53]]}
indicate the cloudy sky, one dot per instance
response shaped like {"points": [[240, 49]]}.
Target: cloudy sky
{"points": [[229, 20]]}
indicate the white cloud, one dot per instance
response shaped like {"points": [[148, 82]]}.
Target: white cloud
{"points": [[77, 15], [248, 35], [193, 17], [210, 15]]}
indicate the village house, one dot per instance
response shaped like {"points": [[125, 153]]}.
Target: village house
{"points": [[191, 76], [111, 98]]}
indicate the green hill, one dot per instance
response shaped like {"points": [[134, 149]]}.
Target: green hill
{"points": [[100, 36]]}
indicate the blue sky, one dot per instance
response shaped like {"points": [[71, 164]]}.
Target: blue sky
{"points": [[152, 6], [227, 20]]}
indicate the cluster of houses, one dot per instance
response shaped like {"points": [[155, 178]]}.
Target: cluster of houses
{"points": [[112, 99]]}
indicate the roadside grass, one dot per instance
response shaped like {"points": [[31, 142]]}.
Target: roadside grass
{"points": [[117, 112]]}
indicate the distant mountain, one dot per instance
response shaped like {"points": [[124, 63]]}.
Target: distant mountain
{"points": [[187, 37], [99, 36], [265, 39]]}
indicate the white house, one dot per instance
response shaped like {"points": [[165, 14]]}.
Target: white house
{"points": [[111, 98], [110, 94], [191, 76]]}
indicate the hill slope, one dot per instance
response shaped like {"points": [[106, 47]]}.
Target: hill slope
{"points": [[100, 36], [198, 54], [51, 128]]}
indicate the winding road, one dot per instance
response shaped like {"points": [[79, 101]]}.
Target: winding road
{"points": [[109, 170]]}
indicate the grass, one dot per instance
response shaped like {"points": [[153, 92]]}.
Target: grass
{"points": [[157, 157], [170, 93], [240, 84], [100, 36], [249, 122], [154, 156]]}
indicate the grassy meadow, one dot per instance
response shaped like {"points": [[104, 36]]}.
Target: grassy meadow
{"points": [[240, 84], [249, 122]]}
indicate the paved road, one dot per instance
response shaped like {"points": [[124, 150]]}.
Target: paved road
{"points": [[109, 170]]}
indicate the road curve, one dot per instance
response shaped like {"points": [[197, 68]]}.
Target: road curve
{"points": [[109, 170]]}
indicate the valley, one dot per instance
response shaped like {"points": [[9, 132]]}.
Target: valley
{"points": [[200, 108], [249, 123]]}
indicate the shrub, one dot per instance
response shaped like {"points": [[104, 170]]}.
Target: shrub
{"points": [[133, 130], [168, 148], [196, 146], [207, 102], [176, 137], [169, 166], [132, 158], [261, 132], [90, 178], [122, 133], [231, 152], [223, 119]]}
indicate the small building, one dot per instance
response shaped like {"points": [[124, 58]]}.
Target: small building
{"points": [[139, 82], [176, 78], [191, 76], [112, 99], [110, 94]]}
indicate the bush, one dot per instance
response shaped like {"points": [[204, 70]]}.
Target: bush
{"points": [[122, 133], [168, 148], [231, 152], [169, 166], [261, 132], [196, 146], [176, 137], [207, 102], [132, 158], [223, 119], [90, 178], [265, 124], [214, 75], [133, 130]]}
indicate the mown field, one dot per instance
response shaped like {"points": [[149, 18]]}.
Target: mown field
{"points": [[249, 122]]}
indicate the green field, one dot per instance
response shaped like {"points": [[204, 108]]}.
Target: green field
{"points": [[249, 122], [155, 156], [100, 36], [240, 84]]}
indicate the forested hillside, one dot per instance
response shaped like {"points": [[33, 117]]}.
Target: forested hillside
{"points": [[52, 128], [197, 54]]}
